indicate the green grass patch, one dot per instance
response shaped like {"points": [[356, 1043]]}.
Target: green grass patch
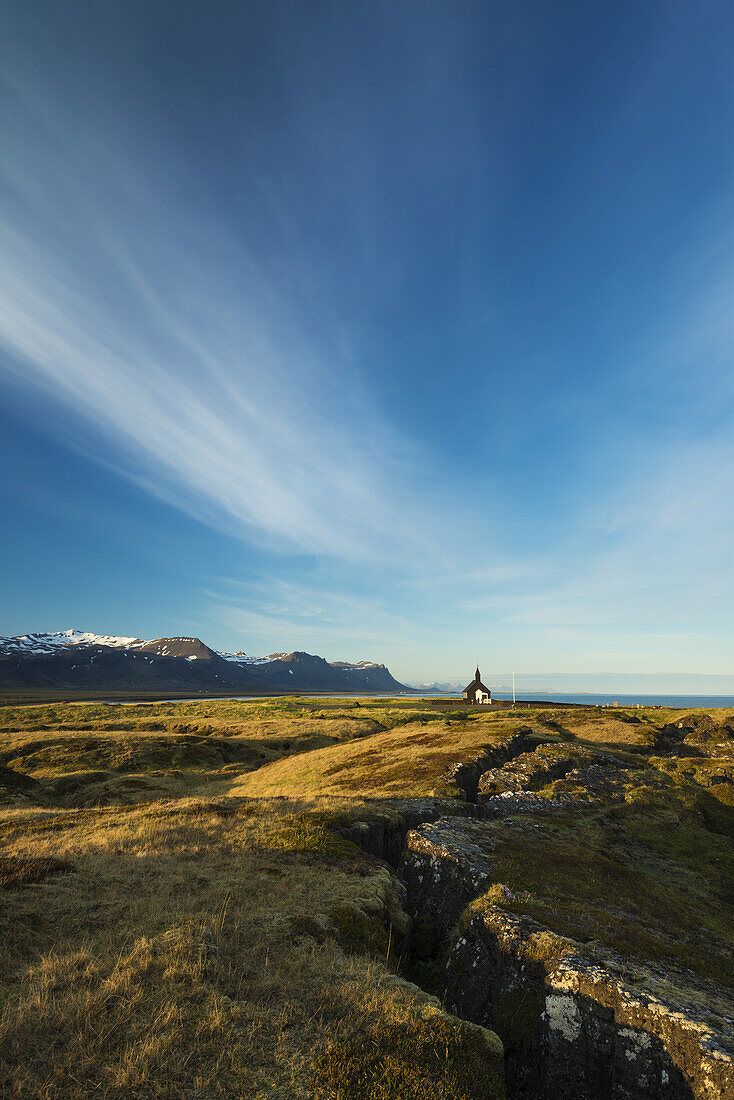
{"points": [[420, 1059]]}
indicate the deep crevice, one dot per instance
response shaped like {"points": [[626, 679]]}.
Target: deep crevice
{"points": [[584, 1042]]}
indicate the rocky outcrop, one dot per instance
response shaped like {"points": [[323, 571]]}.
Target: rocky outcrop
{"points": [[569, 786], [578, 1022], [692, 730], [467, 775], [579, 1027], [444, 866], [383, 834], [524, 802], [528, 770]]}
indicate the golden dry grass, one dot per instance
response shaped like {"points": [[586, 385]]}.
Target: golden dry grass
{"points": [[408, 762], [197, 948], [179, 919], [196, 944], [89, 754]]}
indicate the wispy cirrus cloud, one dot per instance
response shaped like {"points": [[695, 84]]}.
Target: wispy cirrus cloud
{"points": [[263, 613], [171, 270], [183, 362]]}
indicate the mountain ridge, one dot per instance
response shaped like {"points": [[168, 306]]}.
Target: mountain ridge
{"points": [[75, 659]]}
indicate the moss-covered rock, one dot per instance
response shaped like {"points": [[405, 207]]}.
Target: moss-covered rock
{"points": [[577, 1025]]}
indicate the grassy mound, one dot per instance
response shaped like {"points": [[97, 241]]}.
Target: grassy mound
{"points": [[410, 761]]}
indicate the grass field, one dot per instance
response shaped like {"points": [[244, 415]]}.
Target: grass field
{"points": [[180, 918]]}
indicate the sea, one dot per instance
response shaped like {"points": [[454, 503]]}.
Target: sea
{"points": [[684, 701]]}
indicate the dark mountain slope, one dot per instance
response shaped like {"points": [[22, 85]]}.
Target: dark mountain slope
{"points": [[87, 662]]}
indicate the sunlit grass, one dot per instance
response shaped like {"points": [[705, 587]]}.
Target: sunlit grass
{"points": [[194, 944], [180, 915]]}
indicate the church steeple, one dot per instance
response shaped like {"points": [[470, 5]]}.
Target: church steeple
{"points": [[476, 692]]}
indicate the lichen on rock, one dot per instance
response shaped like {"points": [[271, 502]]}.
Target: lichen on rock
{"points": [[574, 1027]]}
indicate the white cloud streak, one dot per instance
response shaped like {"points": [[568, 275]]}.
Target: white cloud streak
{"points": [[338, 625], [190, 369]]}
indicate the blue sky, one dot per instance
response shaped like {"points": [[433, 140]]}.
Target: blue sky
{"points": [[399, 331]]}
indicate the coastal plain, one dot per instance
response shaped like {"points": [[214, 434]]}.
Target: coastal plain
{"points": [[211, 898]]}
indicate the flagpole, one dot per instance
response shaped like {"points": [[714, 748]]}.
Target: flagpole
{"points": [[513, 689]]}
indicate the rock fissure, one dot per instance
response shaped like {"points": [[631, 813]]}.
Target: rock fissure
{"points": [[571, 1023], [467, 775]]}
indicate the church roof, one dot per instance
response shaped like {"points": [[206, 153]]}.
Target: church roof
{"points": [[476, 684]]}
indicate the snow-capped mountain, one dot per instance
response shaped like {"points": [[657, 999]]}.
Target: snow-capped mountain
{"points": [[52, 643], [77, 659], [241, 658], [434, 687]]}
